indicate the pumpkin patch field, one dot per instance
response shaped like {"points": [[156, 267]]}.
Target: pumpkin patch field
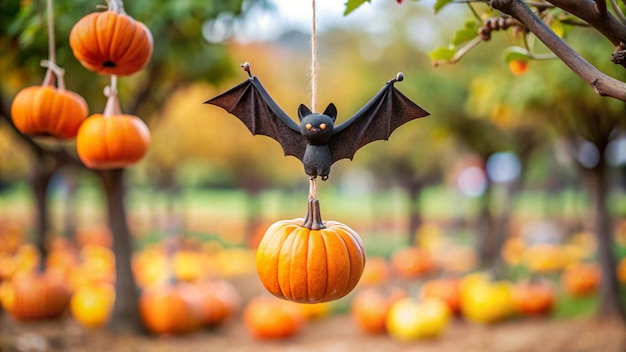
{"points": [[205, 290]]}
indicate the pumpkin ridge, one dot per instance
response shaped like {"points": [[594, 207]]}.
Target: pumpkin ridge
{"points": [[99, 50], [333, 245], [133, 56], [327, 265], [61, 112], [284, 281], [122, 24], [338, 233], [316, 268], [353, 246], [299, 246]]}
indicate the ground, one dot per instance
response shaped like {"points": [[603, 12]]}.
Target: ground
{"points": [[335, 333]]}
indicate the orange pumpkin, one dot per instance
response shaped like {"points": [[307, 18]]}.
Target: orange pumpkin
{"points": [[266, 317], [310, 261], [37, 296], [446, 289], [111, 43], [376, 271], [171, 309], [581, 279], [412, 262], [46, 110], [370, 307], [533, 297], [219, 301], [108, 142]]}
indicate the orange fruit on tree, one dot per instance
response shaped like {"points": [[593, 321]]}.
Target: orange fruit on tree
{"points": [[518, 66]]}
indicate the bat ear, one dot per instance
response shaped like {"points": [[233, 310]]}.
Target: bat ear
{"points": [[303, 111], [331, 111]]}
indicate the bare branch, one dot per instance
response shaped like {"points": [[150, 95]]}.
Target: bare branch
{"points": [[606, 23], [603, 84], [601, 7], [618, 11]]}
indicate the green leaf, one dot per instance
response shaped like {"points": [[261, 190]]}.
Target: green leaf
{"points": [[352, 5], [439, 4], [515, 53], [469, 32], [442, 54]]}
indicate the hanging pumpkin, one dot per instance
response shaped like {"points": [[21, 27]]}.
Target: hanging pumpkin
{"points": [[112, 139], [37, 296], [111, 43], [310, 261], [47, 110]]}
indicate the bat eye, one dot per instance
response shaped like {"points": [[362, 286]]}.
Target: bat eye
{"points": [[323, 126], [308, 126]]}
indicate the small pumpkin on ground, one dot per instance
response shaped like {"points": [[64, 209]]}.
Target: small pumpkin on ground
{"points": [[37, 295], [266, 317], [533, 297]]}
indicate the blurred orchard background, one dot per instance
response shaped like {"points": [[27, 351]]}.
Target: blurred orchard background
{"points": [[508, 202]]}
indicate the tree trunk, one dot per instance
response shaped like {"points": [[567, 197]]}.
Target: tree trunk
{"points": [[611, 302], [487, 230], [39, 180], [125, 317], [414, 189]]}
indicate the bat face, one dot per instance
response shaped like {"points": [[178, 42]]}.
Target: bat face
{"points": [[317, 128]]}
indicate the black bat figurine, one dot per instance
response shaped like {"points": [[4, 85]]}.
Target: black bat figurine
{"points": [[317, 142]]}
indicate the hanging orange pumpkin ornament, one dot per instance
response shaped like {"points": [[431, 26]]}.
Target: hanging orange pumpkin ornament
{"points": [[307, 260], [47, 110], [112, 139], [111, 42]]}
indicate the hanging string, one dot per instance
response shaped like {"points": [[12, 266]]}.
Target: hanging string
{"points": [[314, 60], [48, 79], [313, 188]]}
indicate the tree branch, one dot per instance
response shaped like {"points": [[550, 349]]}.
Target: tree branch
{"points": [[604, 22], [603, 84]]}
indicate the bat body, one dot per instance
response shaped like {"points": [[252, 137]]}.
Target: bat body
{"points": [[316, 141]]}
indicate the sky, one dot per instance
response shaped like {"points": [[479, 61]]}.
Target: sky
{"points": [[297, 14]]}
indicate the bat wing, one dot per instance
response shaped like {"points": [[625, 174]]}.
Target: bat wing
{"points": [[251, 104], [375, 121]]}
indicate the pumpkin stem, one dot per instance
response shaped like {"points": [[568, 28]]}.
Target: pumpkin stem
{"points": [[313, 216], [57, 71], [113, 104], [116, 6]]}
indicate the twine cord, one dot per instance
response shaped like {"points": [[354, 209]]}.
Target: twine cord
{"points": [[314, 59]]}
